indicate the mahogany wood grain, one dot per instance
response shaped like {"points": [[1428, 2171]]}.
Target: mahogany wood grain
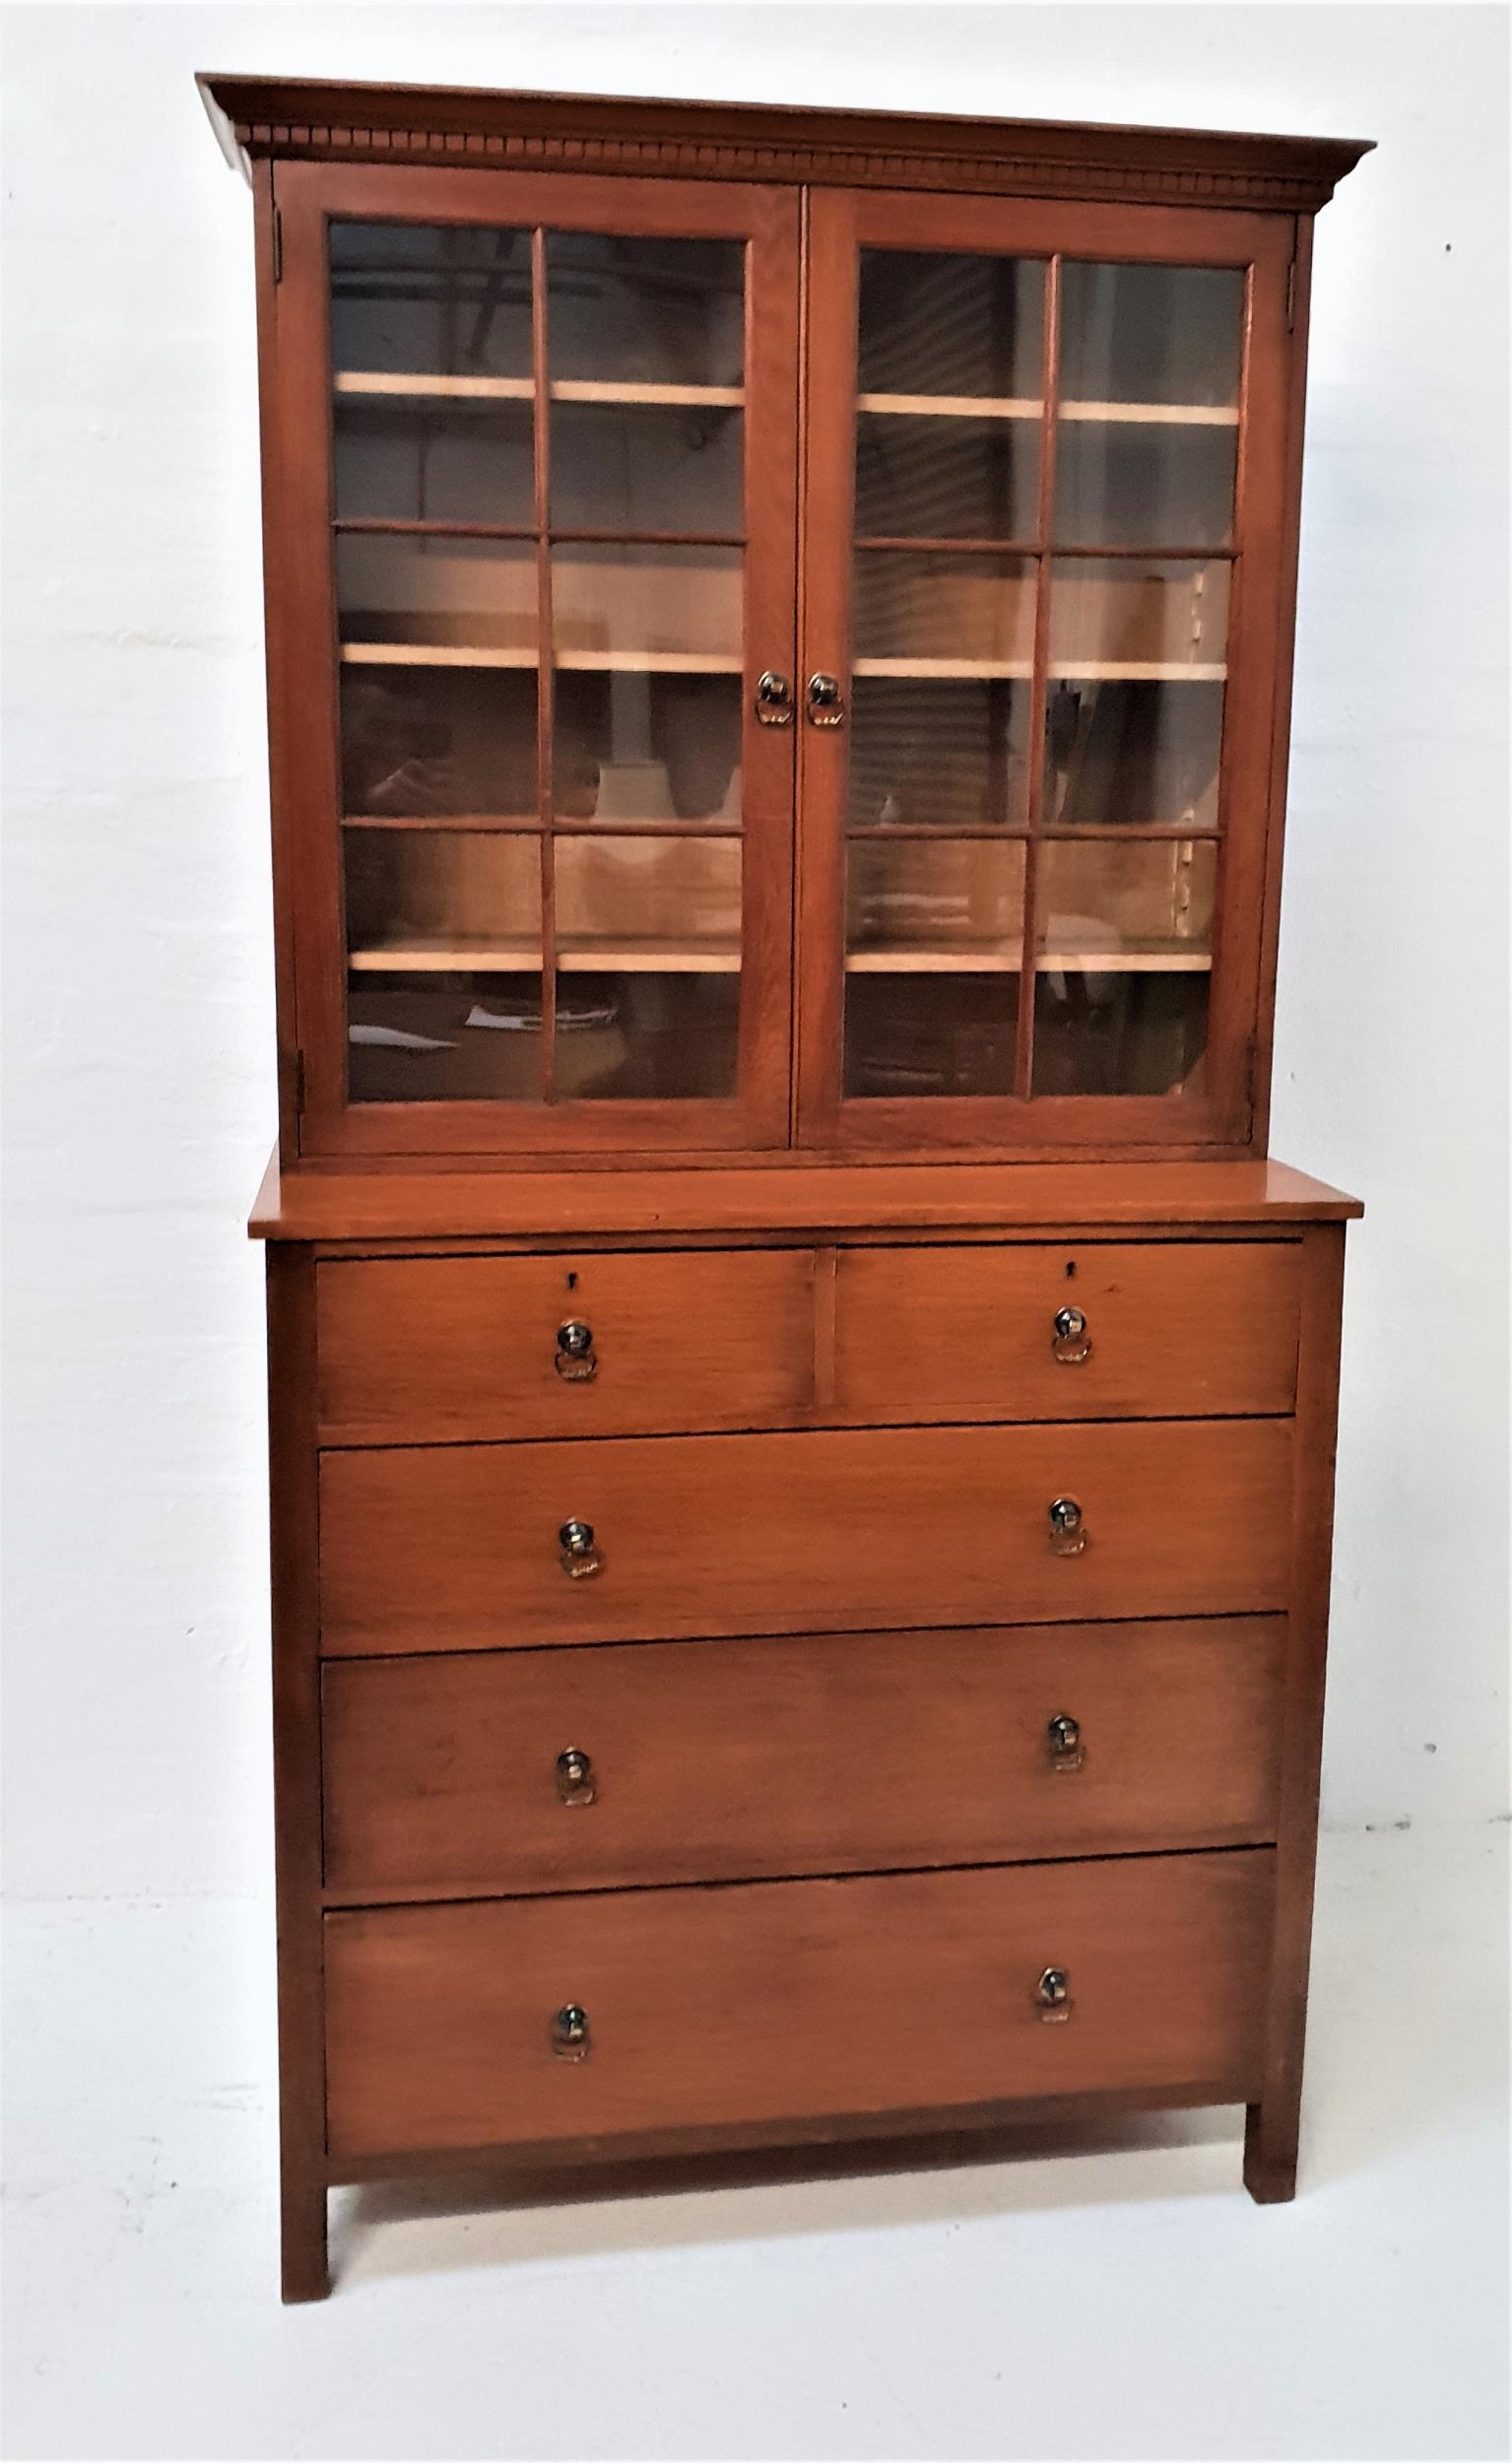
{"points": [[1177, 1331], [294, 1544], [768, 1999], [355, 1204], [319, 118], [1273, 2119], [437, 1548], [414, 1349], [723, 1761]]}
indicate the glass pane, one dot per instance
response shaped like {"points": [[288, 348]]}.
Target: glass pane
{"points": [[407, 298], [934, 946], [424, 741], [463, 595], [443, 986], [941, 323], [426, 459], [1145, 481], [945, 477], [647, 467], [1135, 716], [1151, 334], [647, 965], [924, 614], [631, 311], [938, 755], [1124, 943], [648, 683]]}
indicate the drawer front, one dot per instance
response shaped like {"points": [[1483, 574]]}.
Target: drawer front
{"points": [[771, 2001], [1171, 1331], [713, 1760], [457, 1547], [426, 1349]]}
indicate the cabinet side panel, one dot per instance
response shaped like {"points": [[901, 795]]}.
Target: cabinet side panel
{"points": [[1270, 2137], [293, 1548]]}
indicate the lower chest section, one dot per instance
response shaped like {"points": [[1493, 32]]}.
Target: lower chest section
{"points": [[771, 1686]]}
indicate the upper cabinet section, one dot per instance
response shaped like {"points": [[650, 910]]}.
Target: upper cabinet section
{"points": [[668, 758]]}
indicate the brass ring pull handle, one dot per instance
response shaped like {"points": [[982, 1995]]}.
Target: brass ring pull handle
{"points": [[1070, 1340], [570, 2033], [1068, 1530], [826, 702], [576, 1360], [1053, 1995], [580, 1557], [1063, 1741], [774, 700], [575, 1777]]}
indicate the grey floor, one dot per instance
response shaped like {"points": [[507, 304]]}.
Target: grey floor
{"points": [[1121, 2301]]}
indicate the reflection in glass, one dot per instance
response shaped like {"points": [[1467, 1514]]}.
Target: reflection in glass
{"points": [[1135, 716], [930, 1035], [435, 461], [1124, 943], [628, 311], [410, 299], [940, 754], [1150, 333], [443, 986], [934, 905], [424, 741], [647, 949], [941, 323], [1155, 483], [647, 746], [437, 591], [618, 466], [626, 606], [945, 477], [942, 612]]}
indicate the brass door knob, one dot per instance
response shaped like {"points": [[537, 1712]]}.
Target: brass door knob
{"points": [[575, 1359], [579, 1556], [826, 702], [774, 700], [1063, 1737], [1068, 1531], [1053, 1994], [1070, 1340], [570, 2033], [575, 1777]]}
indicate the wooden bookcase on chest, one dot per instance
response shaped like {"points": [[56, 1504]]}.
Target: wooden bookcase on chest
{"points": [[802, 1415]]}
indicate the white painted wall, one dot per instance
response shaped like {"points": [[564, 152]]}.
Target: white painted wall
{"points": [[139, 975]]}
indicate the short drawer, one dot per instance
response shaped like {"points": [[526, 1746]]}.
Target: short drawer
{"points": [[771, 2001], [438, 1547], [716, 1761], [1139, 1330], [423, 1349]]}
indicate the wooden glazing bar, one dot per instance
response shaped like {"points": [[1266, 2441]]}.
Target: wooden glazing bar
{"points": [[545, 713], [1023, 1059]]}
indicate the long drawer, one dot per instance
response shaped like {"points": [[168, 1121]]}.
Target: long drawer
{"points": [[452, 1547], [437, 1348], [680, 1762], [1145, 1330], [457, 2026]]}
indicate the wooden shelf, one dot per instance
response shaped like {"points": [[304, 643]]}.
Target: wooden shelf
{"points": [[607, 662], [988, 667], [377, 384], [991, 406], [1086, 670], [426, 955], [1002, 958], [1151, 414], [948, 406]]}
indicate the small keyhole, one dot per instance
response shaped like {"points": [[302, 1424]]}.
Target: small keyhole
{"points": [[1071, 1270], [571, 1283]]}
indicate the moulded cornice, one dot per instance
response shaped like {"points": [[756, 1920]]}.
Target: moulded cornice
{"points": [[299, 119]]}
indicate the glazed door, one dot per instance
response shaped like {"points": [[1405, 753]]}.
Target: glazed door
{"points": [[532, 547], [1043, 503]]}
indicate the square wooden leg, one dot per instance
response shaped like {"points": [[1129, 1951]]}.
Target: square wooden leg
{"points": [[306, 2273], [1270, 2152]]}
